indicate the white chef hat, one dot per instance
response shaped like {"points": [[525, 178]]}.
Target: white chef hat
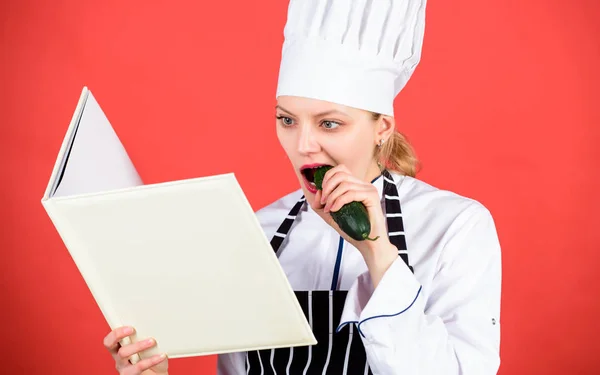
{"points": [[358, 53]]}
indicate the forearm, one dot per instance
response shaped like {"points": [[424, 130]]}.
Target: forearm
{"points": [[458, 335], [416, 343]]}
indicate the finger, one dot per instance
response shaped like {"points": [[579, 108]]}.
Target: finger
{"points": [[342, 189], [144, 365], [333, 171], [125, 352], [334, 181], [111, 341], [349, 193]]}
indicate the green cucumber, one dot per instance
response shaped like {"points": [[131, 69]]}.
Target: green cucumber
{"points": [[352, 218]]}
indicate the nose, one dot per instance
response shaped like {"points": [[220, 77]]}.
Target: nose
{"points": [[307, 140]]}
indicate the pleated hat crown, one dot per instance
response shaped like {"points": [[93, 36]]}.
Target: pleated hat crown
{"points": [[358, 53]]}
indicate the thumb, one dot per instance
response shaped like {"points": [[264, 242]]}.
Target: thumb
{"points": [[317, 206]]}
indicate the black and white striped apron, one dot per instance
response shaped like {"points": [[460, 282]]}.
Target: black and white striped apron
{"points": [[339, 352]]}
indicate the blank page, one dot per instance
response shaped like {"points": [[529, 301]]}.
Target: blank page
{"points": [[96, 160], [185, 262]]}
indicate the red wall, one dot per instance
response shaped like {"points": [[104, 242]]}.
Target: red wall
{"points": [[504, 108]]}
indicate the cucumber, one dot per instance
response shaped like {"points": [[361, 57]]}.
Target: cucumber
{"points": [[352, 218]]}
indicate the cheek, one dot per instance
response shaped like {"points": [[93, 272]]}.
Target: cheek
{"points": [[286, 140], [351, 149], [281, 137]]}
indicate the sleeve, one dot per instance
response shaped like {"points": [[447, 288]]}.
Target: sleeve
{"points": [[231, 364], [452, 327]]}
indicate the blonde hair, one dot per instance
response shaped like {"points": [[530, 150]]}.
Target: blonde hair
{"points": [[397, 154]]}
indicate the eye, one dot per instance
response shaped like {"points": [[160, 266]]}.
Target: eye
{"points": [[330, 124], [286, 120]]}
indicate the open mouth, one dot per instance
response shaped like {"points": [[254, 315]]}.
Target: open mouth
{"points": [[309, 174], [308, 171]]}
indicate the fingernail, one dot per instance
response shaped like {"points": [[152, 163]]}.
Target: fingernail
{"points": [[150, 341], [128, 330]]}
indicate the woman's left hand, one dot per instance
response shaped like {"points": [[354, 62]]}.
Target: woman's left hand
{"points": [[341, 187]]}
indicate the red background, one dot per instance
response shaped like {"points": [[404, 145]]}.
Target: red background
{"points": [[503, 108]]}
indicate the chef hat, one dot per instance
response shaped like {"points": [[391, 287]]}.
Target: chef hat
{"points": [[358, 53]]}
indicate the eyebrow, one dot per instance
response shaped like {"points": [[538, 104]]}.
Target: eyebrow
{"points": [[321, 114]]}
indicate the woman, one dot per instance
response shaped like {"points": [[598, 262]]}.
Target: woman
{"points": [[424, 296]]}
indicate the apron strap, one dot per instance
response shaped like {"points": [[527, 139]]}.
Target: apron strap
{"points": [[393, 213], [286, 225]]}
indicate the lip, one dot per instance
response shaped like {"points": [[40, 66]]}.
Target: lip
{"points": [[306, 166], [309, 187]]}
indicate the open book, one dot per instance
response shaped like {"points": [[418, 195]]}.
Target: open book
{"points": [[185, 262]]}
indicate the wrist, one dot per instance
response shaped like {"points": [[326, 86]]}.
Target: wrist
{"points": [[379, 260]]}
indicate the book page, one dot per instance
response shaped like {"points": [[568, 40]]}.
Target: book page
{"points": [[185, 262], [96, 160]]}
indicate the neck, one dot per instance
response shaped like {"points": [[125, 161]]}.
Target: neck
{"points": [[373, 172]]}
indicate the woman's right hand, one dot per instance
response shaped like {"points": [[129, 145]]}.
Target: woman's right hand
{"points": [[155, 365]]}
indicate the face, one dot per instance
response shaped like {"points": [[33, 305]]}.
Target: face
{"points": [[314, 132]]}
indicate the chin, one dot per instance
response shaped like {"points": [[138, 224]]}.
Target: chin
{"points": [[310, 197]]}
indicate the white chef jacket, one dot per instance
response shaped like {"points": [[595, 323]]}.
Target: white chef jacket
{"points": [[443, 319]]}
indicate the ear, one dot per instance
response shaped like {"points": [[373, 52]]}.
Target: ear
{"points": [[385, 127]]}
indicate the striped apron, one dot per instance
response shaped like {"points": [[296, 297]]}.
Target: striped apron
{"points": [[339, 352]]}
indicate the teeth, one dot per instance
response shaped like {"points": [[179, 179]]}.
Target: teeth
{"points": [[312, 184]]}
